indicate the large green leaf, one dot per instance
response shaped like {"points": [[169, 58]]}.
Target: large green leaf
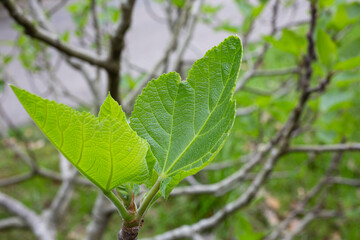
{"points": [[105, 149], [187, 122]]}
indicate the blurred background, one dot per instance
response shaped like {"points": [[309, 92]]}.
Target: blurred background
{"points": [[296, 94]]}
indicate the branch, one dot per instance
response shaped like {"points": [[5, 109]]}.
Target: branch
{"points": [[16, 179], [38, 13], [172, 45], [226, 184], [28, 216], [308, 219], [61, 200], [117, 43], [50, 38], [323, 183], [276, 72], [194, 15], [218, 189], [241, 83], [346, 181], [245, 111], [57, 7], [43, 172], [12, 222], [325, 148], [99, 220]]}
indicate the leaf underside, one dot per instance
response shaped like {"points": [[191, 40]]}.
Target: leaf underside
{"points": [[187, 122], [104, 149]]}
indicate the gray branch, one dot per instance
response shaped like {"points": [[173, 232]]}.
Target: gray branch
{"points": [[35, 222], [12, 222], [101, 215], [51, 38], [326, 148]]}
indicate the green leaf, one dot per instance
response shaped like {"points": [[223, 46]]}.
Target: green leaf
{"points": [[326, 48], [65, 36], [104, 149], [289, 42], [211, 9], [330, 100], [187, 122], [178, 3], [348, 64], [325, 3], [2, 83], [228, 27]]}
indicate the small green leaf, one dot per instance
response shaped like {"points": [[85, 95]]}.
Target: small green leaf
{"points": [[65, 36], [211, 9], [7, 59], [178, 3], [105, 149], [289, 42], [186, 123], [228, 27], [326, 48], [325, 3], [348, 64], [2, 83], [329, 100]]}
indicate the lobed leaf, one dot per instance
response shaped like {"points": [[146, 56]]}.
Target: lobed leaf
{"points": [[104, 149], [186, 123]]}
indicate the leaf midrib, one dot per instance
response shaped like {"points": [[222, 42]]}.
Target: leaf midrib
{"points": [[171, 130], [207, 119]]}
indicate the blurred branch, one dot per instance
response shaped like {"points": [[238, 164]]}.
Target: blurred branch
{"points": [[15, 179], [62, 199], [38, 13], [276, 72], [219, 189], [245, 110], [193, 18], [309, 217], [346, 181], [325, 148], [226, 184], [100, 218], [50, 38], [59, 5], [172, 45], [323, 183], [251, 72], [35, 222], [117, 43], [153, 14], [12, 222]]}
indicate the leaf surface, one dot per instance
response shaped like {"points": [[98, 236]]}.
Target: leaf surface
{"points": [[348, 64], [326, 48], [104, 149], [187, 122]]}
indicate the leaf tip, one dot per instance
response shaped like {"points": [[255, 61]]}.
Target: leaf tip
{"points": [[16, 90]]}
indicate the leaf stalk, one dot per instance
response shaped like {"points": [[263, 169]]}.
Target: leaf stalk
{"points": [[121, 208], [148, 199]]}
